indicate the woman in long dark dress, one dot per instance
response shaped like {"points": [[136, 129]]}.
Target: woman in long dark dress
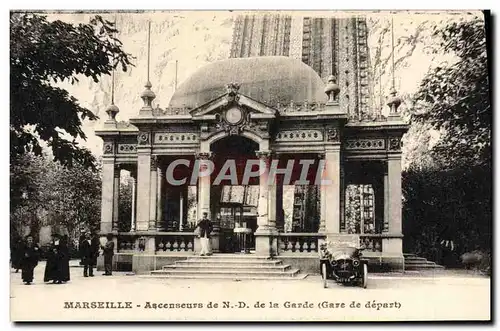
{"points": [[53, 269], [17, 254], [64, 249], [29, 259]]}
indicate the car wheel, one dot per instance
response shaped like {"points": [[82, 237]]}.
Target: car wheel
{"points": [[365, 275], [324, 275]]}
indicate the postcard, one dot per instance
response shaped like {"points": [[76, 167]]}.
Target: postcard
{"points": [[250, 166]]}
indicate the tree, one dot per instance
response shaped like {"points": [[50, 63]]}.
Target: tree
{"points": [[51, 194], [43, 53], [448, 197], [455, 99]]}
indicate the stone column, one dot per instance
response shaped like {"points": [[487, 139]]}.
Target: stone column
{"points": [[167, 224], [263, 218], [203, 186], [332, 208], [392, 243], [204, 200], [265, 240], [143, 183], [280, 226], [116, 197], [271, 216], [108, 174], [395, 203], [271, 204], [386, 201], [133, 175], [342, 198], [153, 192], [322, 224], [159, 198]]}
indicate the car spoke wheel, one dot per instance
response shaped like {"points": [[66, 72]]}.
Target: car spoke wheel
{"points": [[324, 275], [365, 275]]}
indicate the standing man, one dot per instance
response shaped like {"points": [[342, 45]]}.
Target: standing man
{"points": [[206, 227], [29, 259], [88, 253], [108, 252]]}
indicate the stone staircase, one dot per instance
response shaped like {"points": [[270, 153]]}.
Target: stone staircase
{"points": [[229, 266], [415, 263]]}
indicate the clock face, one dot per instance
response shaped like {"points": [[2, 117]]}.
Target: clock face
{"points": [[234, 115]]}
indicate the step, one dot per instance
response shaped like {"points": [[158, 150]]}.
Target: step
{"points": [[417, 262], [230, 262], [221, 276], [231, 257], [409, 255], [423, 266], [415, 259], [228, 258], [288, 273], [427, 263], [241, 268]]}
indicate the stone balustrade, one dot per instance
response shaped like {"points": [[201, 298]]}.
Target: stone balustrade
{"points": [[175, 242], [298, 242], [371, 243]]}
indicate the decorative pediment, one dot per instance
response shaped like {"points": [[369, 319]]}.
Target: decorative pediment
{"points": [[232, 98], [234, 113]]}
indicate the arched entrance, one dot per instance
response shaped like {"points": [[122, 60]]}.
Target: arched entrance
{"points": [[233, 202]]}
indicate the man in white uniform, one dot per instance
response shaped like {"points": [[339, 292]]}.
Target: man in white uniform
{"points": [[206, 228]]}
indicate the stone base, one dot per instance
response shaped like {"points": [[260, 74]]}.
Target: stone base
{"points": [[121, 262], [215, 242], [266, 244], [143, 263]]}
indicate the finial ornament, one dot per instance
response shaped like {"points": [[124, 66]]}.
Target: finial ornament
{"points": [[332, 89], [394, 101], [112, 110], [232, 88], [148, 95]]}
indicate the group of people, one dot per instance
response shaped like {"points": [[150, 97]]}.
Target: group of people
{"points": [[26, 255]]}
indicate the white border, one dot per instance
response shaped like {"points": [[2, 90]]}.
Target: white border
{"points": [[185, 4]]}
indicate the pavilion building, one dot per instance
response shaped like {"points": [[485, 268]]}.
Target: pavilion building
{"points": [[295, 88]]}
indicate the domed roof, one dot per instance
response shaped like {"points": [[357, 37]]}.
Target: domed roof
{"points": [[267, 79]]}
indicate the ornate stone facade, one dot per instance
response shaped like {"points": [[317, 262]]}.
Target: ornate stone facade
{"points": [[299, 135], [176, 138], [108, 148], [279, 111], [127, 148], [143, 138], [360, 144]]}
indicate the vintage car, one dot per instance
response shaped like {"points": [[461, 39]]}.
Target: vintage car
{"points": [[344, 264]]}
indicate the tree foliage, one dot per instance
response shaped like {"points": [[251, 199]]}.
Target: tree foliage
{"points": [[447, 204], [455, 99], [448, 197], [51, 194], [43, 53]]}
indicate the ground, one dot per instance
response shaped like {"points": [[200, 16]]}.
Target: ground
{"points": [[443, 296]]}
